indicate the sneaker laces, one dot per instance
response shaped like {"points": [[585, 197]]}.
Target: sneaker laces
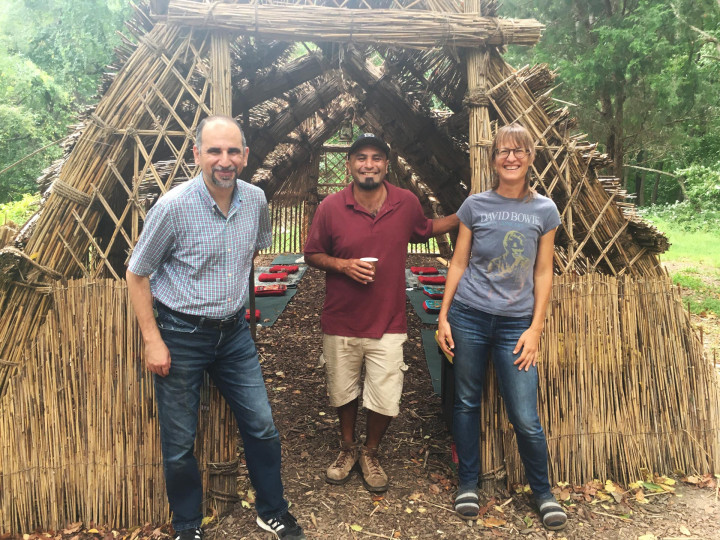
{"points": [[372, 462], [286, 522], [345, 454]]}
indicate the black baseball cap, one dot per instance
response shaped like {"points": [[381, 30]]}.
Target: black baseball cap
{"points": [[368, 139]]}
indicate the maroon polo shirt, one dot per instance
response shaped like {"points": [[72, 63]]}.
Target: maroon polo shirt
{"points": [[344, 229]]}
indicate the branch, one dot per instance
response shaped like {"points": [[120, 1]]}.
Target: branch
{"points": [[650, 170], [18, 162]]}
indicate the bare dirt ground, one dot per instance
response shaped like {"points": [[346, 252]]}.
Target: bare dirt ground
{"points": [[417, 457]]}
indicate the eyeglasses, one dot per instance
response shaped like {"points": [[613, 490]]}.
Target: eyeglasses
{"points": [[519, 153]]}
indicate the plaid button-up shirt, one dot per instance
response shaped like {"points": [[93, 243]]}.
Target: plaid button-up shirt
{"points": [[199, 260]]}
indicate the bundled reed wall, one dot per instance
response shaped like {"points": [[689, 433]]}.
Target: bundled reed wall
{"points": [[7, 233], [624, 388], [624, 384], [78, 427]]}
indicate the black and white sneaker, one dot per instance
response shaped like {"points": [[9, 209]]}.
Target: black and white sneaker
{"points": [[189, 534], [285, 527]]}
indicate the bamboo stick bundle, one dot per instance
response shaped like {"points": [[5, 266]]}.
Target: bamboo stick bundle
{"points": [[79, 435], [618, 396], [414, 29], [312, 99], [7, 233], [249, 93]]}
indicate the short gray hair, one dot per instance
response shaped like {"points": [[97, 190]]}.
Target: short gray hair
{"points": [[228, 119]]}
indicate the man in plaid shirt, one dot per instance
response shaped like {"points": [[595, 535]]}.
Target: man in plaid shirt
{"points": [[188, 280]]}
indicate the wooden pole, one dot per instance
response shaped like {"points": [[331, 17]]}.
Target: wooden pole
{"points": [[220, 471], [477, 100], [480, 139]]}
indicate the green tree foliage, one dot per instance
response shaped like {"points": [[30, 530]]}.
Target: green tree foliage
{"points": [[639, 75], [33, 111], [52, 53]]}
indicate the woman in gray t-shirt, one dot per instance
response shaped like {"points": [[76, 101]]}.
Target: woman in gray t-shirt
{"points": [[497, 291]]}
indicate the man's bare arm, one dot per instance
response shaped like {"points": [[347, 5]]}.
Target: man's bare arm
{"points": [[360, 271], [157, 355], [445, 224]]}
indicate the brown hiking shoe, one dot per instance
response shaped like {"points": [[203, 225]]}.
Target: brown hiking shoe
{"points": [[339, 472], [374, 477]]}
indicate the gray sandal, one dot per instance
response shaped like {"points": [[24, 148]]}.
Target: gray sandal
{"points": [[466, 505], [553, 514]]}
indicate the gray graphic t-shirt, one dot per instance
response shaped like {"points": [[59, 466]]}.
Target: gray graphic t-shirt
{"points": [[505, 237]]}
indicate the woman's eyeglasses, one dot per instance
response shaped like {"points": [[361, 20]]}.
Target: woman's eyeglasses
{"points": [[519, 153]]}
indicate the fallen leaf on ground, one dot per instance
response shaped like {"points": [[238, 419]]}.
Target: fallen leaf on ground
{"points": [[72, 528], [493, 521]]}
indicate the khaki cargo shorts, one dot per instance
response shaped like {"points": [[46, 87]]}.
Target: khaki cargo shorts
{"points": [[384, 371]]}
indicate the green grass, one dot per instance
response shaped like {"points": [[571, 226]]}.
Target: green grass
{"points": [[701, 296], [702, 248], [18, 212], [699, 275]]}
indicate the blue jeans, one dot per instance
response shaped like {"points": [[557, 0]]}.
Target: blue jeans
{"points": [[230, 358], [477, 334]]}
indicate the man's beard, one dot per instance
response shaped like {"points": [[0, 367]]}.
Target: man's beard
{"points": [[368, 183], [224, 183]]}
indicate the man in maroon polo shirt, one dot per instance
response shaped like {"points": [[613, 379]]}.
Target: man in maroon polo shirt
{"points": [[363, 318]]}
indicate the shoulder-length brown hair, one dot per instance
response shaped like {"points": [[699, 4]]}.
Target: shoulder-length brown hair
{"points": [[519, 135]]}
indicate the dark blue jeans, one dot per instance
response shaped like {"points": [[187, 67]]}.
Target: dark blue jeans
{"points": [[230, 358], [477, 334]]}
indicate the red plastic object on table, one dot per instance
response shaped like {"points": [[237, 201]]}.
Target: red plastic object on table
{"points": [[432, 280], [424, 270], [287, 268], [247, 314], [277, 276], [276, 289]]}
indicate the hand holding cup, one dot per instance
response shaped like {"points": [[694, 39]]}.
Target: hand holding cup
{"points": [[373, 261]]}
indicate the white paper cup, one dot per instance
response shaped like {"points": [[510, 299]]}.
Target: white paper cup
{"points": [[371, 260]]}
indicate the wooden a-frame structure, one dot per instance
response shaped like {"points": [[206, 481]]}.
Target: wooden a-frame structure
{"points": [[75, 403]]}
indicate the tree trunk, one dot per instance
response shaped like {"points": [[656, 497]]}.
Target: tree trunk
{"points": [[618, 128], [656, 185], [640, 188]]}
